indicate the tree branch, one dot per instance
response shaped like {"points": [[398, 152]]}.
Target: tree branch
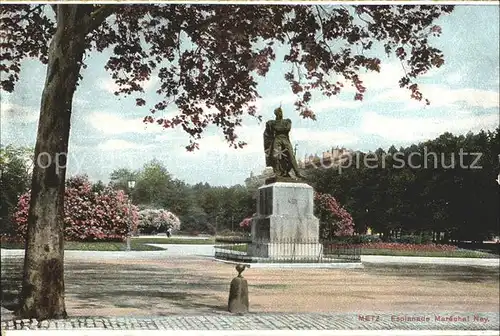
{"points": [[204, 24], [25, 16], [323, 28], [98, 16]]}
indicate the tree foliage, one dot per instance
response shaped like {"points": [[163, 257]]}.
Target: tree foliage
{"points": [[428, 187], [15, 175], [120, 178], [208, 56], [200, 207]]}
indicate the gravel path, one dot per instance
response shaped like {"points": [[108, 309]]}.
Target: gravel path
{"points": [[181, 279], [207, 251]]}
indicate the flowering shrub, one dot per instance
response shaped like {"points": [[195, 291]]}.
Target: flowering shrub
{"points": [[247, 222], [400, 246], [102, 216], [157, 220], [412, 239], [334, 219]]}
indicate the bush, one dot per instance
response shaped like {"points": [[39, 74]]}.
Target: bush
{"points": [[246, 223], [426, 238], [408, 239], [359, 239], [157, 220], [334, 219], [344, 240], [88, 216], [413, 239], [369, 239]]}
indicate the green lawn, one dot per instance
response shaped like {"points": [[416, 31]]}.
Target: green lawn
{"points": [[239, 247], [94, 246], [173, 240], [137, 244]]}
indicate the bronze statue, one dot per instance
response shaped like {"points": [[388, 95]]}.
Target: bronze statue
{"points": [[278, 148]]}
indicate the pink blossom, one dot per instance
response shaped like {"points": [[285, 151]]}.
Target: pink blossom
{"points": [[87, 215], [336, 220]]}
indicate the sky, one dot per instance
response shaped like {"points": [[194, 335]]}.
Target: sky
{"points": [[107, 132]]}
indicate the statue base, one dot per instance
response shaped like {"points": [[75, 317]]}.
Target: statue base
{"points": [[285, 225]]}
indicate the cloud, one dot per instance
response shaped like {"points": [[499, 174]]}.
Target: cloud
{"points": [[17, 114], [109, 84], [388, 77], [284, 99], [440, 95], [311, 136], [215, 143], [119, 144], [455, 78], [335, 103], [253, 136], [417, 129], [108, 123]]}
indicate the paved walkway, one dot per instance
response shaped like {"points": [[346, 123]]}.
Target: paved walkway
{"points": [[450, 321], [434, 323], [207, 251], [176, 237]]}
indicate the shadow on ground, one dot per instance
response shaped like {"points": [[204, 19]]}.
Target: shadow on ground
{"points": [[101, 286], [94, 288], [468, 274]]}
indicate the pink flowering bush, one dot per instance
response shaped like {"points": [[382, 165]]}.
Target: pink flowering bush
{"points": [[334, 219], [246, 223], [88, 216], [400, 246], [157, 220]]}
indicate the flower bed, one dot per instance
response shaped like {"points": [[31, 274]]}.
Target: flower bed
{"points": [[399, 247]]}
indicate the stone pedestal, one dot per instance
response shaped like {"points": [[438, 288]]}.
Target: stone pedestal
{"points": [[285, 225], [238, 293]]}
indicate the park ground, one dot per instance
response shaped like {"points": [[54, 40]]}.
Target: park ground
{"points": [[160, 283], [177, 286]]}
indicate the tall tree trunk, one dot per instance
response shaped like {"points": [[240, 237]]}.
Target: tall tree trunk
{"points": [[42, 294]]}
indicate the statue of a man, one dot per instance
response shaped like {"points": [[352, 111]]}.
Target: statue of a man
{"points": [[277, 146]]}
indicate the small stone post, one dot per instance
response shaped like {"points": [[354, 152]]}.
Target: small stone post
{"points": [[238, 293]]}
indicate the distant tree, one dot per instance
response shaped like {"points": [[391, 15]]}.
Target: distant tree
{"points": [[98, 187], [15, 176], [427, 191], [153, 184], [119, 179]]}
